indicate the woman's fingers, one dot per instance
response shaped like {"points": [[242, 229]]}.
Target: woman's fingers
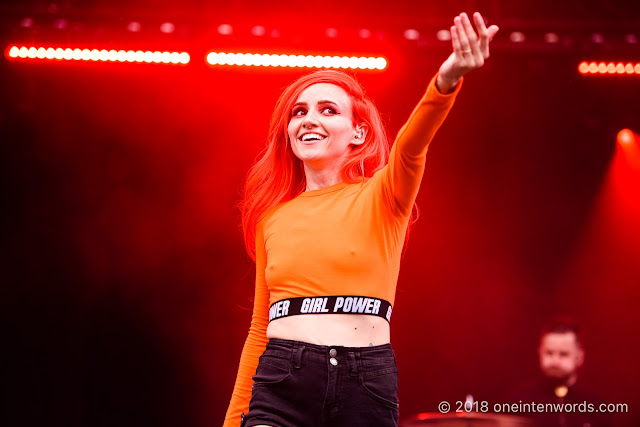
{"points": [[471, 35], [470, 42], [455, 40], [484, 34], [470, 48], [492, 31], [462, 36]]}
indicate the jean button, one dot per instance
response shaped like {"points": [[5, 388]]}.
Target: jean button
{"points": [[333, 352], [333, 361]]}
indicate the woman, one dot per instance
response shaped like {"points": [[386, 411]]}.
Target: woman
{"points": [[325, 218]]}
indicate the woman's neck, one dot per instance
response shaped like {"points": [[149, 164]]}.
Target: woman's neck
{"points": [[321, 178]]}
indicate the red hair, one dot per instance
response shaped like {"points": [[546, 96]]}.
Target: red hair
{"points": [[278, 175]]}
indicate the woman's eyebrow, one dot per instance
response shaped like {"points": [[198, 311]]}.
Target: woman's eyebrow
{"points": [[324, 101]]}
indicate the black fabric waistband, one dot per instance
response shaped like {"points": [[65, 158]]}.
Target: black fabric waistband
{"points": [[338, 304], [285, 344]]}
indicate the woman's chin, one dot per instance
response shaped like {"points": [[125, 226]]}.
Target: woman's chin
{"points": [[309, 156]]}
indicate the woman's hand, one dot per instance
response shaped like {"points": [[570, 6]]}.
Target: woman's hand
{"points": [[469, 52]]}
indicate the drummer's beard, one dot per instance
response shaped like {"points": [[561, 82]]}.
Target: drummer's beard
{"points": [[557, 376]]}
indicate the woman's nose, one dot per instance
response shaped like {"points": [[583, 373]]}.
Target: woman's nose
{"points": [[310, 120]]}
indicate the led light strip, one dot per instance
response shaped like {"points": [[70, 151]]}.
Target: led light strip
{"points": [[609, 68], [308, 61], [68, 54]]}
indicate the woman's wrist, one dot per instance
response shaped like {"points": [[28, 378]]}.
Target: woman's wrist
{"points": [[446, 85]]}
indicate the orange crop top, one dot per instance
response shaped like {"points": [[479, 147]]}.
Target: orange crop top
{"points": [[345, 239]]}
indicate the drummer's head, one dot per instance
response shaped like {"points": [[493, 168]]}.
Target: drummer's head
{"points": [[561, 351]]}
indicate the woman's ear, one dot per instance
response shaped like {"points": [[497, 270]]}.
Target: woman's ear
{"points": [[360, 133]]}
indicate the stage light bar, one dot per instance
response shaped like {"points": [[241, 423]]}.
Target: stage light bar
{"points": [[303, 61], [609, 68], [68, 54]]}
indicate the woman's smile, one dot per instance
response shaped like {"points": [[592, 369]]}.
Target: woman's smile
{"points": [[311, 137]]}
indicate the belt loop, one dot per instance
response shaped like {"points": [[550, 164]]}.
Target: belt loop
{"points": [[294, 354], [353, 366], [297, 356]]}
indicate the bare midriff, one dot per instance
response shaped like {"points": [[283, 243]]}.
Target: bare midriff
{"points": [[349, 330]]}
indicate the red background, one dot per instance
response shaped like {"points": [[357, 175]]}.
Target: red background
{"points": [[126, 292]]}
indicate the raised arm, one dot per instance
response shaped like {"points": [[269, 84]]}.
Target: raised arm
{"points": [[402, 177]]}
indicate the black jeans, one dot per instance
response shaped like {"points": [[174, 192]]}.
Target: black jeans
{"points": [[298, 384]]}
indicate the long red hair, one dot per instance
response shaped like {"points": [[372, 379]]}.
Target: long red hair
{"points": [[278, 175]]}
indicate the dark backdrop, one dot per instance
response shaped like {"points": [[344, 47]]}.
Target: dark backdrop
{"points": [[126, 293]]}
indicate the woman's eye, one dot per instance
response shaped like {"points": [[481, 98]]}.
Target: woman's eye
{"points": [[328, 110], [298, 112]]}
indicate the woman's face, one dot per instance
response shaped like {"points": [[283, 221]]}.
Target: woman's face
{"points": [[321, 126]]}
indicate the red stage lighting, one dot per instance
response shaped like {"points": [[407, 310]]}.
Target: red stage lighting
{"points": [[59, 54], [411, 34], [303, 61], [225, 29], [627, 137], [592, 67]]}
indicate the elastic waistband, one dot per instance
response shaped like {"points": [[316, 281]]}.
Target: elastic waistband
{"points": [[334, 304]]}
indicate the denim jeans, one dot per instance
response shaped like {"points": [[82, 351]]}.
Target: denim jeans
{"points": [[298, 384]]}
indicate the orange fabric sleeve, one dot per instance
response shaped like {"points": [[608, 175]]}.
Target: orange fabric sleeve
{"points": [[255, 343], [408, 154]]}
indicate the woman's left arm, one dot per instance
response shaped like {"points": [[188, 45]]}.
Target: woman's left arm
{"points": [[402, 177]]}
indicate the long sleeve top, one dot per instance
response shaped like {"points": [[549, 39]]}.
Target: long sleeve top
{"points": [[345, 239]]}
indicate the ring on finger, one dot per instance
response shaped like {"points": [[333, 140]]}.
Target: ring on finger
{"points": [[466, 51]]}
